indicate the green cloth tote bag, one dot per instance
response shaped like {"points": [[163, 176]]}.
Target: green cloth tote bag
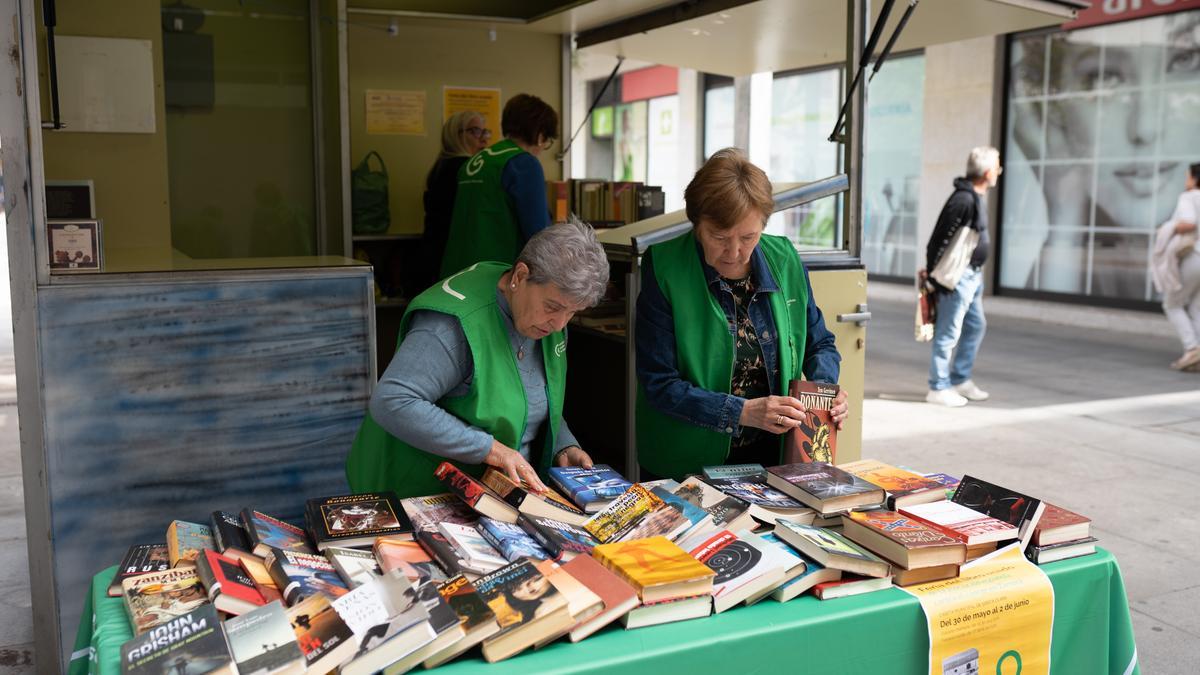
{"points": [[369, 197]]}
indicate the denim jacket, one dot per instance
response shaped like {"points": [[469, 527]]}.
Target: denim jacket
{"points": [[658, 370]]}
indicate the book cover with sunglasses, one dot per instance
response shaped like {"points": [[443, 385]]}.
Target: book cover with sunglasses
{"points": [[815, 438], [1017, 509]]}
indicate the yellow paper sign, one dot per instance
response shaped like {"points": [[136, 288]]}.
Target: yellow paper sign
{"points": [[482, 100], [392, 111], [996, 617]]}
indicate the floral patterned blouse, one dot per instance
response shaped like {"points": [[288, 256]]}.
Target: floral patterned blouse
{"points": [[750, 376]]}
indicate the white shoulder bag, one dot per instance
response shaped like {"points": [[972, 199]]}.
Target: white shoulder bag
{"points": [[954, 260]]}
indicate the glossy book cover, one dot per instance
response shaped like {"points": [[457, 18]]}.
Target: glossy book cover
{"points": [[815, 438], [823, 481], [908, 532], [651, 562]]}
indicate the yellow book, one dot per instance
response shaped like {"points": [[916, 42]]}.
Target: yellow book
{"points": [[904, 488], [657, 568], [622, 513]]}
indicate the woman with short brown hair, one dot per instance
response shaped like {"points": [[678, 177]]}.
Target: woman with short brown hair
{"points": [[720, 331]]}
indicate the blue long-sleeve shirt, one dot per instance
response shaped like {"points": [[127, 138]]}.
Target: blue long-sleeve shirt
{"points": [[657, 365], [525, 182]]}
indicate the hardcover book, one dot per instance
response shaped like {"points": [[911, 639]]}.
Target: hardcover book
{"points": [[426, 512], [814, 573], [967, 525], [389, 622], [1016, 509], [623, 518], [228, 531], [815, 438], [355, 566], [616, 596], [903, 487], [510, 540], [1048, 553], [477, 619], [521, 496], [266, 533], [824, 487], [850, 585], [322, 635], [766, 504], [582, 603], [697, 518], [590, 489], [186, 541], [356, 520], [726, 512], [256, 567], [656, 568], [472, 549], [1058, 525], [444, 554], [230, 588], [474, 493], [668, 611], [745, 565], [562, 541], [262, 641], [903, 539], [949, 483], [923, 575], [413, 561], [527, 608], [443, 620], [300, 575], [139, 559], [734, 471], [195, 639], [794, 566], [155, 598], [831, 549]]}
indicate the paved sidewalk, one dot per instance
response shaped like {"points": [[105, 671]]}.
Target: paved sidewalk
{"points": [[1088, 417]]}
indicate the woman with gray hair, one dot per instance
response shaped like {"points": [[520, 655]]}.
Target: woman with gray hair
{"points": [[479, 375], [463, 135]]}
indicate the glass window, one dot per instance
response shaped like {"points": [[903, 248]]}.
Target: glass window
{"points": [[1102, 123], [718, 113], [629, 143], [892, 168], [804, 107], [239, 125]]}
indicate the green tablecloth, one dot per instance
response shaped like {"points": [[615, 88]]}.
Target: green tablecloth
{"points": [[881, 632]]}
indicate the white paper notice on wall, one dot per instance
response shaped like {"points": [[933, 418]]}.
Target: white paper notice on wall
{"points": [[106, 84]]}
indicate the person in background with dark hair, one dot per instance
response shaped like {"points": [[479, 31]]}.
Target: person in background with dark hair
{"points": [[463, 135], [501, 199], [1175, 267]]}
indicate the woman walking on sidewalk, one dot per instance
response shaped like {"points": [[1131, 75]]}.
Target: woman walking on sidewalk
{"points": [[1175, 267]]}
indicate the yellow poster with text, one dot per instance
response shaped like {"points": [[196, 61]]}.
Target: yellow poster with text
{"points": [[482, 100], [996, 617]]}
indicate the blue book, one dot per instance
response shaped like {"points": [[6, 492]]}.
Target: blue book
{"points": [[510, 540], [813, 574], [590, 489], [693, 513]]}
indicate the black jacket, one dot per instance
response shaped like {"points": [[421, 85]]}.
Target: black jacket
{"points": [[964, 208]]}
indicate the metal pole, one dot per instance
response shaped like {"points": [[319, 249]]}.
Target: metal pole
{"points": [[858, 14]]}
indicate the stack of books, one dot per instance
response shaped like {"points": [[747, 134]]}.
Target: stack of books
{"points": [[603, 203], [371, 583]]}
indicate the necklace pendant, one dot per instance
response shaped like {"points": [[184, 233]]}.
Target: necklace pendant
{"points": [[521, 352]]}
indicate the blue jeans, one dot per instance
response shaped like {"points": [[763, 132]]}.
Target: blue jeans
{"points": [[960, 323]]}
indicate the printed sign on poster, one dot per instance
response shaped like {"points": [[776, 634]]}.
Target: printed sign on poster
{"points": [[483, 100]]}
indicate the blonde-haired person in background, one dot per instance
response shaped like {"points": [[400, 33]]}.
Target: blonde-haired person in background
{"points": [[725, 319], [463, 135]]}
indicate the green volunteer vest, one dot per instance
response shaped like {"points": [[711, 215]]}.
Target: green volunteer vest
{"points": [[496, 400], [704, 349], [484, 224]]}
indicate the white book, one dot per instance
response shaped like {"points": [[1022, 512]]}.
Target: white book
{"points": [[472, 547], [745, 565]]}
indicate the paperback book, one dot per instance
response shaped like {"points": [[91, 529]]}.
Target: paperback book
{"points": [[389, 622], [426, 512], [903, 487], [262, 641], [139, 559], [1048, 553], [409, 557], [228, 531], [356, 520], [230, 588], [474, 493], [831, 549], [582, 603], [444, 621], [355, 566], [1059, 525], [563, 541], [301, 575], [850, 585], [656, 568], [766, 504], [617, 596], [186, 541], [1019, 510], [324, 638], [794, 566], [590, 489], [267, 532], [967, 525], [444, 553], [549, 503], [527, 607], [698, 520], [744, 566], [638, 513], [510, 540], [824, 487], [814, 573], [471, 549], [734, 471], [155, 598], [196, 640], [477, 619], [726, 512], [815, 438]]}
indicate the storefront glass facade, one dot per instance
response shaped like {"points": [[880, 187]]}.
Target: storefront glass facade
{"points": [[1101, 125]]}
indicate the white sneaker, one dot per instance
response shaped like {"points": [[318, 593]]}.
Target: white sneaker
{"points": [[971, 391], [946, 397]]}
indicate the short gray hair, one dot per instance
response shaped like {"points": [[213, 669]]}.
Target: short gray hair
{"points": [[980, 160], [568, 256]]}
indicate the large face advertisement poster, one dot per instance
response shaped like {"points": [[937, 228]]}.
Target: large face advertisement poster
{"points": [[1102, 123]]}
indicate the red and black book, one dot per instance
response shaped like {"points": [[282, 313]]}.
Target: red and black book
{"points": [[1019, 510], [815, 439], [139, 559], [474, 493], [230, 587], [356, 520]]}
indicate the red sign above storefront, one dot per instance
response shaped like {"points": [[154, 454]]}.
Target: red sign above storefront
{"points": [[1111, 11], [652, 82]]}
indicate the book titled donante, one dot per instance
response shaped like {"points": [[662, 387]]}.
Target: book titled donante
{"points": [[903, 487], [824, 487], [815, 438], [356, 520], [195, 639], [831, 549], [267, 532], [155, 598], [139, 559], [474, 493]]}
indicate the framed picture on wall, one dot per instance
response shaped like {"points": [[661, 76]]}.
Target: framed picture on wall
{"points": [[73, 245]]}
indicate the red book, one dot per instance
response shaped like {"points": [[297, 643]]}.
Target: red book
{"points": [[1058, 525], [474, 493], [230, 587], [618, 597], [815, 440], [903, 539], [851, 584]]}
